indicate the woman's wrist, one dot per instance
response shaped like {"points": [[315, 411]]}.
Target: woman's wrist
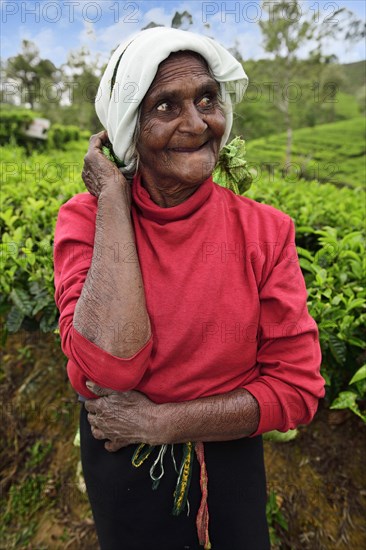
{"points": [[116, 193], [165, 426]]}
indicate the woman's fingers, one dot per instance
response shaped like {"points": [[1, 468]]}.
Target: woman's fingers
{"points": [[98, 390], [92, 419], [122, 418], [99, 171], [91, 405], [113, 446], [97, 433], [98, 140]]}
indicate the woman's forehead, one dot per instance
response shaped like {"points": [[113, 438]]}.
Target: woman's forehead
{"points": [[178, 66]]}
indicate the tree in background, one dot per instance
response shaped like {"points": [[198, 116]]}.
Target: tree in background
{"points": [[285, 32], [32, 74], [81, 76], [180, 21], [343, 24]]}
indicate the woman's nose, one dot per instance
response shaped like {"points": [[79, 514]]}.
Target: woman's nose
{"points": [[192, 120]]}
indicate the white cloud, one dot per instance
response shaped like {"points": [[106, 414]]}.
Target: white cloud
{"points": [[47, 42], [88, 33], [159, 16]]}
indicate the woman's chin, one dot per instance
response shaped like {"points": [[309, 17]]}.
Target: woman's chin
{"points": [[195, 169]]}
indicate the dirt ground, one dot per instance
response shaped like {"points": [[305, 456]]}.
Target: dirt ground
{"points": [[318, 478]]}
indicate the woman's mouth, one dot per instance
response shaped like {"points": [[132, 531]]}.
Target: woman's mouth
{"points": [[188, 149]]}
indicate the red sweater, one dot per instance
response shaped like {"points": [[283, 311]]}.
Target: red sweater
{"points": [[226, 300]]}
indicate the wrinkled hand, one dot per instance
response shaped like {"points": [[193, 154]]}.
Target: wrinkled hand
{"points": [[123, 418], [99, 172]]}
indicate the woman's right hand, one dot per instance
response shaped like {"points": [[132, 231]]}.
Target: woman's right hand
{"points": [[99, 173]]}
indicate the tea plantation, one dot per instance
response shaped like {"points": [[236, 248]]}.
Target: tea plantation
{"points": [[333, 153]]}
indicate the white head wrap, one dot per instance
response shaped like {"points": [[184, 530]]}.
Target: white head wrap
{"points": [[132, 69]]}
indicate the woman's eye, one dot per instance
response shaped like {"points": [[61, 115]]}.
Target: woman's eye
{"points": [[206, 101], [163, 106]]}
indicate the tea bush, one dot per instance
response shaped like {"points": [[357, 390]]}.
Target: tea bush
{"points": [[13, 124], [33, 190], [330, 240]]}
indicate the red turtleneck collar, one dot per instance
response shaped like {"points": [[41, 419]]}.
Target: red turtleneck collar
{"points": [[149, 209]]}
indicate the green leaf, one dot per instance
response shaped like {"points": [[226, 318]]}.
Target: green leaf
{"points": [[338, 349], [14, 319], [21, 300], [231, 170], [304, 229], [357, 270], [302, 252], [345, 400], [31, 259], [356, 342], [49, 319], [280, 437], [305, 264], [357, 302], [326, 377], [359, 375], [29, 243], [321, 276]]}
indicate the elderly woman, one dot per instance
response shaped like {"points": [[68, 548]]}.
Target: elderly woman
{"points": [[183, 309]]}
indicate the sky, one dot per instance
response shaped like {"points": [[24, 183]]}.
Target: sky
{"points": [[60, 26]]}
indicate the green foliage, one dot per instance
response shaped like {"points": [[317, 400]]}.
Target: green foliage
{"points": [[33, 190], [231, 170], [31, 71], [25, 499], [280, 437], [283, 35], [348, 399], [346, 106], [60, 134], [331, 247], [275, 518], [37, 454], [330, 152], [19, 510], [110, 154], [318, 93], [13, 123], [335, 278], [354, 76]]}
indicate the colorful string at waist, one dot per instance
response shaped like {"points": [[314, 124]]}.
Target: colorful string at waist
{"points": [[184, 473]]}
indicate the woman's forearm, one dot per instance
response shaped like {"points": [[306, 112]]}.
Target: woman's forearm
{"points": [[111, 311], [219, 418], [125, 418]]}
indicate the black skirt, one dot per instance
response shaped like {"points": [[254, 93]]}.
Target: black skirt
{"points": [[130, 515]]}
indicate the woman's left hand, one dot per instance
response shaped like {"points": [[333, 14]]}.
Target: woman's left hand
{"points": [[123, 418]]}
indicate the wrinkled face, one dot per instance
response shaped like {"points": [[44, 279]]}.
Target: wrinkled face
{"points": [[181, 124]]}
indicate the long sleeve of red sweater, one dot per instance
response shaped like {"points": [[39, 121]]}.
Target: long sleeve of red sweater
{"points": [[288, 348], [73, 252]]}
